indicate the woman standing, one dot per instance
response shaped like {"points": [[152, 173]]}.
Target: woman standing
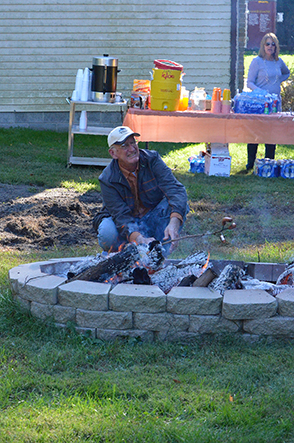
{"points": [[267, 71]]}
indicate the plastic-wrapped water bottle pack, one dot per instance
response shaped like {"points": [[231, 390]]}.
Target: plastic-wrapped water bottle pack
{"points": [[197, 163], [287, 168], [265, 167], [255, 102]]}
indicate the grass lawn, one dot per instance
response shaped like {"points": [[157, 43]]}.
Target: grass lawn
{"points": [[262, 208], [60, 387]]}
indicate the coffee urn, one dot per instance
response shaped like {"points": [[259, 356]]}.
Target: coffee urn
{"points": [[104, 79]]}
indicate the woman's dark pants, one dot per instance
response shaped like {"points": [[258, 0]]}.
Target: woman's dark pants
{"points": [[252, 150]]}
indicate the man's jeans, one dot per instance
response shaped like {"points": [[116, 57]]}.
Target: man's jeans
{"points": [[152, 224]]}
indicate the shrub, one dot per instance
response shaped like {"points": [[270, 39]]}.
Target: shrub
{"points": [[287, 93]]}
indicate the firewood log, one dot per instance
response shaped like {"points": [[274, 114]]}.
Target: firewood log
{"points": [[172, 275], [229, 278], [111, 266]]}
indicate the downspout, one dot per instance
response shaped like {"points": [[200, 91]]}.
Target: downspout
{"points": [[234, 47]]}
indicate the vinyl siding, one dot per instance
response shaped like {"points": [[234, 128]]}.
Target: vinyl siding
{"points": [[44, 42]]}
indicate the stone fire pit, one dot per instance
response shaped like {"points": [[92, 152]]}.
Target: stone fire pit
{"points": [[129, 310]]}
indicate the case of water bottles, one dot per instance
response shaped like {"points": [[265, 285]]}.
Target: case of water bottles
{"points": [[287, 168], [255, 102], [266, 167], [197, 163]]}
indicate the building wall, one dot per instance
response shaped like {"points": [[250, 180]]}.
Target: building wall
{"points": [[44, 43]]}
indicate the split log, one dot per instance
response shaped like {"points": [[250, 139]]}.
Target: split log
{"points": [[271, 288], [202, 281], [115, 264], [229, 278], [82, 265], [198, 260], [172, 275], [187, 281], [205, 278]]}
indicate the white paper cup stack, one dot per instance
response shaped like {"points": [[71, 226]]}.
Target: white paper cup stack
{"points": [[79, 83], [85, 85], [83, 121]]}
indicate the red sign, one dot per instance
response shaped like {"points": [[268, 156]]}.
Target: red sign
{"points": [[261, 20]]}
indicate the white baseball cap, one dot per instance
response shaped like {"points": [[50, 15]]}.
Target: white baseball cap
{"points": [[119, 135]]}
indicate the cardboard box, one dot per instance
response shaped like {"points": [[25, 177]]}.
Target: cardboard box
{"points": [[207, 105], [218, 165]]}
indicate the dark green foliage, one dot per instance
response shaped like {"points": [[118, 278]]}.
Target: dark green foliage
{"points": [[287, 93], [285, 29]]}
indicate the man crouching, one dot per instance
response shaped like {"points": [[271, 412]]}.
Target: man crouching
{"points": [[142, 200]]}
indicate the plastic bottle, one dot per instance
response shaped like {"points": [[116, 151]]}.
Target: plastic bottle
{"points": [[198, 99], [266, 109], [236, 102], [275, 106]]}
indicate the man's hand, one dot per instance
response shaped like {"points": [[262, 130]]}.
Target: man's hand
{"points": [[144, 240], [172, 231]]}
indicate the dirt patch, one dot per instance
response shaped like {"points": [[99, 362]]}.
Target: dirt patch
{"points": [[32, 217]]}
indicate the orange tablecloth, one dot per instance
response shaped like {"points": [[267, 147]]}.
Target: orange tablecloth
{"points": [[198, 127]]}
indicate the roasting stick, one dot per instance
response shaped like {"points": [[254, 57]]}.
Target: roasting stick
{"points": [[225, 220]]}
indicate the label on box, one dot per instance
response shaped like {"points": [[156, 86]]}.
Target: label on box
{"points": [[218, 165]]}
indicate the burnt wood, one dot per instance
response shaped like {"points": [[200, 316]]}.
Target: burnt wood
{"points": [[172, 275], [141, 277], [187, 281], [229, 278], [115, 264]]}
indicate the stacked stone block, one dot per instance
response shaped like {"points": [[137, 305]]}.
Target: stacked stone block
{"points": [[128, 310]]}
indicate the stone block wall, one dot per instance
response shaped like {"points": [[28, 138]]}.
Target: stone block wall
{"points": [[128, 310]]}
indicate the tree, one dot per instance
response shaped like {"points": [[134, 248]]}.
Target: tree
{"points": [[285, 29]]}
